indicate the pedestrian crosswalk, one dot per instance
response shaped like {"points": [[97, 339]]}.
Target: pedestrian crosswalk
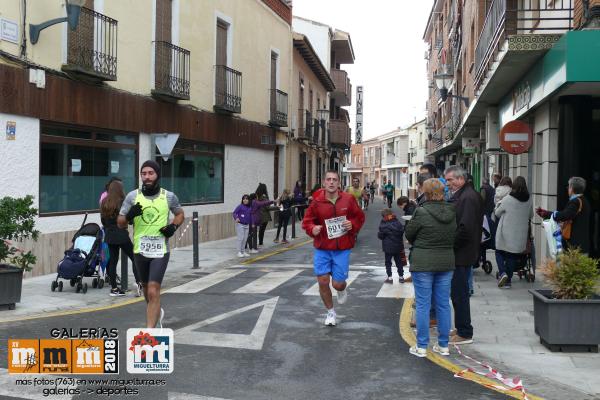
{"points": [[369, 279]]}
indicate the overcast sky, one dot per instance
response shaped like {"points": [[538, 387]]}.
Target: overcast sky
{"points": [[389, 49]]}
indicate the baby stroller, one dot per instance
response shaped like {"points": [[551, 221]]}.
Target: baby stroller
{"points": [[488, 240], [85, 258]]}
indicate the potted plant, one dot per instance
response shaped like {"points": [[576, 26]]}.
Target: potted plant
{"points": [[17, 219], [567, 317]]}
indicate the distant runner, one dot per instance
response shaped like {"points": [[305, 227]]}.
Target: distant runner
{"points": [[333, 219]]}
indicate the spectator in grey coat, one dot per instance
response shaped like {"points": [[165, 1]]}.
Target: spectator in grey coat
{"points": [[514, 213]]}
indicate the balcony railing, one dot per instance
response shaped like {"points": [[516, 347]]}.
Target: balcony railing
{"points": [[512, 17], [343, 89], [228, 89], [171, 71], [339, 135], [279, 107], [308, 125], [324, 133], [92, 47]]}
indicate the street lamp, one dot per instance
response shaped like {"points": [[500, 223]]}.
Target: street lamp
{"points": [[72, 19], [443, 82], [430, 130]]}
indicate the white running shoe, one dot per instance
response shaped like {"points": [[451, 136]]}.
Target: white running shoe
{"points": [[444, 351], [140, 290], [160, 319], [253, 251], [342, 296], [417, 351], [240, 254], [246, 254], [330, 319]]}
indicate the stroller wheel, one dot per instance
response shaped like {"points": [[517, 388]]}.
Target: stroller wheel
{"points": [[84, 290], [78, 287], [53, 286], [72, 282], [487, 267], [531, 277], [95, 283], [100, 283], [60, 286]]}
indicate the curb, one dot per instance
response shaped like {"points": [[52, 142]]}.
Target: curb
{"points": [[408, 336]]}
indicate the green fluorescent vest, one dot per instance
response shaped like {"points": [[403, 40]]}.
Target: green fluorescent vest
{"points": [[155, 215]]}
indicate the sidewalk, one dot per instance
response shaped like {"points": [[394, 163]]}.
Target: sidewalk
{"points": [[504, 339], [38, 300]]}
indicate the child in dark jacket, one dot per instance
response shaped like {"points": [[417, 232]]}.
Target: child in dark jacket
{"points": [[391, 234], [242, 216]]}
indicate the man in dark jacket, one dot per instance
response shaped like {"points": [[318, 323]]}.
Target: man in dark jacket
{"points": [[578, 210], [487, 194], [391, 234], [469, 218]]}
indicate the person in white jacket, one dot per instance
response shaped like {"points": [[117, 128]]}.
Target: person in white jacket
{"points": [[503, 189], [514, 212]]}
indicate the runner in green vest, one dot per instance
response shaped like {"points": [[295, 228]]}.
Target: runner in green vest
{"points": [[148, 210]]}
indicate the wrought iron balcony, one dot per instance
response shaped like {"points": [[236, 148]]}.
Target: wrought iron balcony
{"points": [[316, 127], [339, 130], [308, 125], [343, 89], [228, 90], [92, 47], [518, 17], [324, 133], [171, 71], [279, 108]]}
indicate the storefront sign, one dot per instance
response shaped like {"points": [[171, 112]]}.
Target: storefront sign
{"points": [[470, 145], [359, 114], [521, 97], [516, 137]]}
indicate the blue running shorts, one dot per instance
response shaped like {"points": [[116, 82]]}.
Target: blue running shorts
{"points": [[334, 262]]}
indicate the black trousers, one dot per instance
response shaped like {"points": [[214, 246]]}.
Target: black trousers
{"points": [[284, 218], [397, 261], [459, 293], [389, 202], [252, 242], [114, 251], [261, 232]]}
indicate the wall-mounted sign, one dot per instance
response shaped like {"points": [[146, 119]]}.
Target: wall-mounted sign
{"points": [[359, 113], [9, 31], [11, 130], [470, 145], [516, 137], [521, 97]]}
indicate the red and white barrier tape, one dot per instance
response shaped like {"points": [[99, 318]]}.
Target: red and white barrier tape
{"points": [[186, 228], [510, 384]]}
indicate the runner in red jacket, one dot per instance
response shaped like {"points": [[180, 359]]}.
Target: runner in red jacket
{"points": [[333, 220]]}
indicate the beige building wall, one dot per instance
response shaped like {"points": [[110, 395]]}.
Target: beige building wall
{"points": [[250, 47]]}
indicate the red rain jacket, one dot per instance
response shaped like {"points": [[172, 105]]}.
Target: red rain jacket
{"points": [[321, 209]]}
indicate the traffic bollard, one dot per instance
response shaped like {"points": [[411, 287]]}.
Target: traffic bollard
{"points": [[124, 267], [195, 239]]}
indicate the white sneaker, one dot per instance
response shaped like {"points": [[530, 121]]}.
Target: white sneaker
{"points": [[246, 254], [417, 351], [140, 290], [342, 296], [330, 319], [444, 351], [240, 254], [162, 315], [253, 251]]}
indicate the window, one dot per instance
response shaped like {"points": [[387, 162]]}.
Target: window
{"points": [[77, 162], [195, 172]]}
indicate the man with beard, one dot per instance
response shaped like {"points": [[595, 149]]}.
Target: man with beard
{"points": [[148, 210]]}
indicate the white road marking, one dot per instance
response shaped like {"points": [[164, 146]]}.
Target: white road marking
{"points": [[254, 341], [314, 289], [397, 290], [9, 388], [187, 396], [268, 282], [295, 266], [205, 282]]}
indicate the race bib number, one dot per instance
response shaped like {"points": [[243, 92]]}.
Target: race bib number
{"points": [[335, 228], [152, 246]]}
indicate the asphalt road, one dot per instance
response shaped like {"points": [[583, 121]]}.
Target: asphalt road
{"points": [[256, 332]]}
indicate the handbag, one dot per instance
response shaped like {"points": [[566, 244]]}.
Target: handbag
{"points": [[566, 227]]}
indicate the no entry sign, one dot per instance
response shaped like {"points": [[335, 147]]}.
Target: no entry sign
{"points": [[516, 137]]}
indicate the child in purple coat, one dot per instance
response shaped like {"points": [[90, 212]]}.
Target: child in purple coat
{"points": [[255, 206], [243, 219]]}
